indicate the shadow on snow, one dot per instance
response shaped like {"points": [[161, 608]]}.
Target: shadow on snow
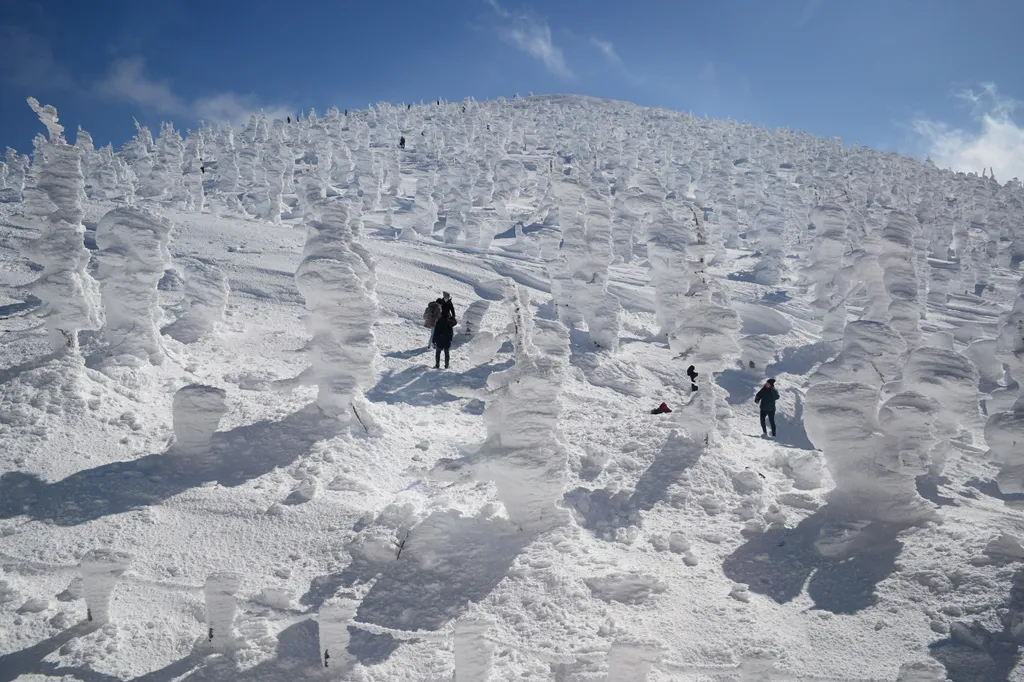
{"points": [[238, 456], [447, 561], [778, 562], [602, 511]]}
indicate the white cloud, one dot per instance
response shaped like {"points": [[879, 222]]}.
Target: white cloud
{"points": [[128, 82], [996, 142], [608, 50], [533, 36]]}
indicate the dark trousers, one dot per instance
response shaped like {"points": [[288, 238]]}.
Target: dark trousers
{"points": [[437, 357], [771, 419]]}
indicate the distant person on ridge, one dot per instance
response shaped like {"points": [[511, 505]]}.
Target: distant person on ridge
{"points": [[692, 372], [289, 120], [766, 398], [401, 142], [444, 331], [430, 317]]}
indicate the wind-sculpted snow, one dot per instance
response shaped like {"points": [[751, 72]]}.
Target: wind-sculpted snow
{"points": [[53, 202], [523, 454], [133, 256], [900, 275], [1004, 431], [336, 277], [948, 377], [1009, 346], [205, 298], [826, 261], [872, 481], [454, 508], [16, 166], [770, 225], [192, 172], [872, 354]]}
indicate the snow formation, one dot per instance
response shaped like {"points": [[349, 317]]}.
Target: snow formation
{"points": [[630, 243], [53, 202]]}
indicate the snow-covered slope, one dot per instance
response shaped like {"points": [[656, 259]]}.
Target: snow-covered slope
{"points": [[246, 468]]}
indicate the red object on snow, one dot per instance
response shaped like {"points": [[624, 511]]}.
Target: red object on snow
{"points": [[661, 409]]}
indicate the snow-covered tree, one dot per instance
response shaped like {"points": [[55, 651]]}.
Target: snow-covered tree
{"points": [[336, 277], [133, 256], [825, 264], [899, 268], [524, 453], [192, 173], [17, 171], [70, 296]]}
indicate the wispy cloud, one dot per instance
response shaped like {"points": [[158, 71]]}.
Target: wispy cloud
{"points": [[26, 61], [531, 35], [996, 141], [127, 81], [807, 13], [608, 50]]}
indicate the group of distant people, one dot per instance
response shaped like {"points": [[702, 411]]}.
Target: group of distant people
{"points": [[765, 399]]}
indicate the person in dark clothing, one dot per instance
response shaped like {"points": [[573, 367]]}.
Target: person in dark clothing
{"points": [[691, 372], [289, 120], [430, 317], [401, 142], [447, 307], [766, 398], [444, 331]]}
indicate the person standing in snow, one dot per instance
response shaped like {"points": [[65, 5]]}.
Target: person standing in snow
{"points": [[444, 331], [447, 307], [430, 317], [401, 142], [766, 398], [691, 372]]}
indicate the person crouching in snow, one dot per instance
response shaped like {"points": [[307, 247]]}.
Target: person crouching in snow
{"points": [[430, 317], [766, 397], [444, 331]]}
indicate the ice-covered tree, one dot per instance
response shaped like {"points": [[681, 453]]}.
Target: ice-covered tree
{"points": [[524, 453], [899, 272], [70, 296], [133, 256], [337, 279], [192, 173], [1004, 432], [17, 170], [825, 264]]}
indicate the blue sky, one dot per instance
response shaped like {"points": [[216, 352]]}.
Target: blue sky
{"points": [[917, 76]]}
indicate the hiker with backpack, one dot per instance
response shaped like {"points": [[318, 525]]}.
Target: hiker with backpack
{"points": [[430, 317], [444, 332], [766, 398]]}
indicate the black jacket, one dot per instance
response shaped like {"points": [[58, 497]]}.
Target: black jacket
{"points": [[444, 330], [447, 307], [767, 397]]}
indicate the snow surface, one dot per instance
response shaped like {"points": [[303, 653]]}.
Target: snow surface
{"points": [[264, 478]]}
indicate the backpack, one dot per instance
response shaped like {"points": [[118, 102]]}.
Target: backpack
{"points": [[431, 314]]}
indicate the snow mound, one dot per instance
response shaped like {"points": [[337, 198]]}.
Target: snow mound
{"points": [[625, 588], [198, 410]]}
